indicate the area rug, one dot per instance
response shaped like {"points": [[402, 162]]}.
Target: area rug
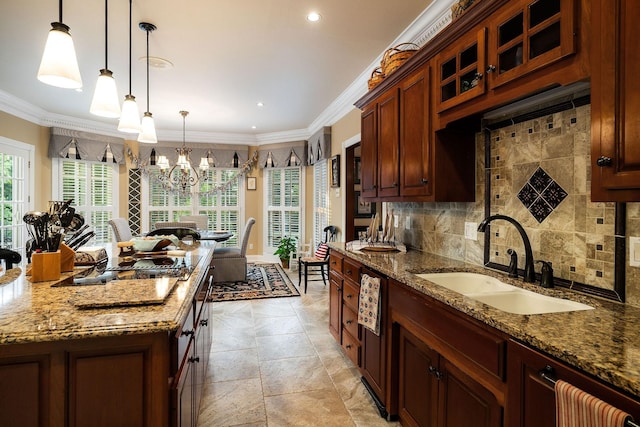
{"points": [[264, 281]]}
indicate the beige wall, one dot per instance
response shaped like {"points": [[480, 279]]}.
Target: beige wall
{"points": [[29, 133], [253, 207]]}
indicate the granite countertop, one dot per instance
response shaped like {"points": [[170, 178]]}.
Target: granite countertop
{"points": [[38, 312], [604, 342]]}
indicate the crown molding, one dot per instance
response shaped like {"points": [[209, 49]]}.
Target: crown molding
{"points": [[431, 21]]}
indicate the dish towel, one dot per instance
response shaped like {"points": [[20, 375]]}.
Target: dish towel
{"points": [[577, 408], [369, 306]]}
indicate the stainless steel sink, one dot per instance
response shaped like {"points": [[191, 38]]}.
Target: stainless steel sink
{"points": [[500, 295]]}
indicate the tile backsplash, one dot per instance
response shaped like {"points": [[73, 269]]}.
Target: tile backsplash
{"points": [[540, 174]]}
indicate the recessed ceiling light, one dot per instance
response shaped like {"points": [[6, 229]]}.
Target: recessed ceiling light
{"points": [[313, 17], [260, 104], [254, 127]]}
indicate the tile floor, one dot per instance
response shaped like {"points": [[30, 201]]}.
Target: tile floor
{"points": [[274, 363]]}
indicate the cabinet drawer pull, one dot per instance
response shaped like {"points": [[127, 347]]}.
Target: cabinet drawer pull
{"points": [[491, 68], [204, 322], [425, 180], [188, 333], [348, 322], [333, 263], [604, 161], [395, 184], [349, 296], [349, 272], [348, 347]]}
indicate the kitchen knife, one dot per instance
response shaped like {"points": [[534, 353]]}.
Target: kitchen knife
{"points": [[82, 240]]}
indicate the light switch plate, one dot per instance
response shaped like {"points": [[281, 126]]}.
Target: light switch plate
{"points": [[395, 221], [634, 251], [407, 223], [471, 230]]}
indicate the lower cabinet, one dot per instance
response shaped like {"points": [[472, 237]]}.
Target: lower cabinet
{"points": [[531, 398], [194, 345]]}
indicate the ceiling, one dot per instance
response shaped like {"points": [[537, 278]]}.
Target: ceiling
{"points": [[227, 56]]}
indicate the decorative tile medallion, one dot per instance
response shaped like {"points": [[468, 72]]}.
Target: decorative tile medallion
{"points": [[541, 195]]}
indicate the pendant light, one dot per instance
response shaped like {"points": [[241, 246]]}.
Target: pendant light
{"points": [[59, 66], [130, 117], [105, 98], [148, 133]]}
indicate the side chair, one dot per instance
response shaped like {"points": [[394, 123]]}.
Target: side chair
{"points": [[319, 262], [121, 229], [230, 263]]}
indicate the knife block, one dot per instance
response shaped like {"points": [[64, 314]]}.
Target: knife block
{"points": [[45, 266], [67, 258]]}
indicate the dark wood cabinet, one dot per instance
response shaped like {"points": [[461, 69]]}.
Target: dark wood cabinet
{"points": [[335, 295], [373, 364], [441, 362], [615, 102], [369, 151], [531, 399], [194, 345], [415, 137], [26, 380], [527, 35], [388, 148]]}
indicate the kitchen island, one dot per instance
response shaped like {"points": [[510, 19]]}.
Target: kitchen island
{"points": [[599, 346], [66, 363]]}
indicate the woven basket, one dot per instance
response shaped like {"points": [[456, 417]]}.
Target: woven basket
{"points": [[458, 9], [393, 58], [376, 78]]}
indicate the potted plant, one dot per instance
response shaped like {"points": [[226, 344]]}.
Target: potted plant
{"points": [[285, 248]]}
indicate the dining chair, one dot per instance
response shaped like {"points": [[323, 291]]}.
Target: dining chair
{"points": [[202, 221], [230, 263], [121, 229], [319, 262]]}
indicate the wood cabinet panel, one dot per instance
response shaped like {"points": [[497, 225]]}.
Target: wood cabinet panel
{"points": [[415, 137], [24, 392], [335, 305], [388, 140], [351, 347], [350, 294], [351, 270], [335, 262], [350, 322], [108, 390], [615, 102], [369, 151]]}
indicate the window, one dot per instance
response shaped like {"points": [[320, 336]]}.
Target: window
{"points": [[15, 188], [222, 207], [283, 205], [93, 186], [321, 206]]}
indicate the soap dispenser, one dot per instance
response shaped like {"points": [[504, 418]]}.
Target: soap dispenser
{"points": [[546, 275]]}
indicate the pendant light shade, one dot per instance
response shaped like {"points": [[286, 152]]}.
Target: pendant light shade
{"points": [[59, 65], [105, 98], [130, 116], [148, 133], [105, 101]]}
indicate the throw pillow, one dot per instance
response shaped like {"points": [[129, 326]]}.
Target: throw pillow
{"points": [[322, 251]]}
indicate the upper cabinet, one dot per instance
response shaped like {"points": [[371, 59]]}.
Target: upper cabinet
{"points": [[528, 35], [615, 102], [460, 70]]}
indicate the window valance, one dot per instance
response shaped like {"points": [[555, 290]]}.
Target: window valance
{"points": [[222, 154], [74, 144], [283, 154], [319, 147]]}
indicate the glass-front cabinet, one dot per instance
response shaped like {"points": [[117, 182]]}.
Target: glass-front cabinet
{"points": [[527, 36], [460, 71]]}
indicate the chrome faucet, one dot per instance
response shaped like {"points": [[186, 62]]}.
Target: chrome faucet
{"points": [[529, 273]]}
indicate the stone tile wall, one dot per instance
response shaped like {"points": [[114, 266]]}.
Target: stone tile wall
{"points": [[564, 226]]}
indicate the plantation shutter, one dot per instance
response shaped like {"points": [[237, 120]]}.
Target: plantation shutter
{"points": [[321, 210]]}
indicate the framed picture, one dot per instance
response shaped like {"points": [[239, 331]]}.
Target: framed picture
{"points": [[356, 171], [251, 183], [334, 173], [364, 209]]}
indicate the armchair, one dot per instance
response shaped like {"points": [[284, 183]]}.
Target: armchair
{"points": [[319, 262], [230, 263]]}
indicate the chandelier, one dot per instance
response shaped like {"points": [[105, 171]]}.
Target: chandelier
{"points": [[182, 175]]}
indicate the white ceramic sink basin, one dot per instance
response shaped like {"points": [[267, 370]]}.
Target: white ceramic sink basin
{"points": [[502, 296]]}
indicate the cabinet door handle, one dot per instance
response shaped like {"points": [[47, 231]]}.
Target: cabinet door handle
{"points": [[479, 76], [348, 322], [425, 180], [349, 296], [491, 68], [395, 184], [188, 333], [339, 288], [348, 347], [204, 322], [194, 359], [433, 371], [349, 272], [604, 161]]}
